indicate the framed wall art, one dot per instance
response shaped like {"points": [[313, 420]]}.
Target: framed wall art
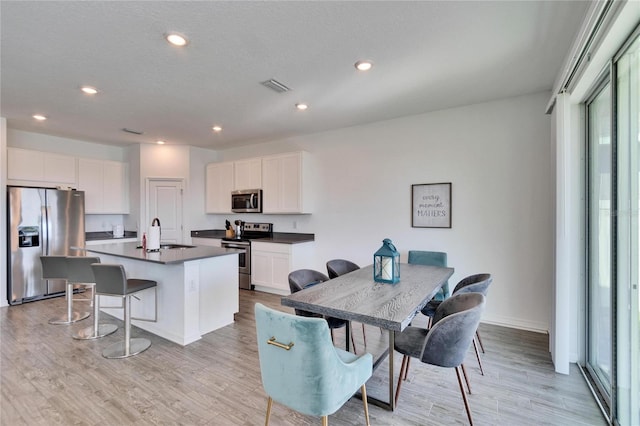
{"points": [[431, 205]]}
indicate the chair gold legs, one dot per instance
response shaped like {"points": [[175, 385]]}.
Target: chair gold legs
{"points": [[475, 347], [480, 341], [466, 378], [464, 396], [269, 404], [363, 390], [353, 342], [403, 367], [364, 336], [325, 419]]}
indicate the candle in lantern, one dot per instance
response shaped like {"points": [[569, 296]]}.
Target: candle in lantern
{"points": [[387, 268]]}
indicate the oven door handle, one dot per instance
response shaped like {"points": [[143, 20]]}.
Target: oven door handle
{"points": [[235, 247]]}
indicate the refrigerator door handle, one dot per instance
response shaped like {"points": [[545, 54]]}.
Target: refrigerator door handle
{"points": [[44, 226]]}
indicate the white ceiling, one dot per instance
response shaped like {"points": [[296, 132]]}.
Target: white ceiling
{"points": [[428, 56]]}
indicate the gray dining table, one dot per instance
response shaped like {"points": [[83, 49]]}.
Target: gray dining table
{"points": [[357, 297]]}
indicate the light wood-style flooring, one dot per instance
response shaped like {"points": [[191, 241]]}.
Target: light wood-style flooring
{"points": [[47, 378]]}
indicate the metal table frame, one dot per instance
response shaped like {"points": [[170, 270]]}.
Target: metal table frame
{"points": [[356, 297]]}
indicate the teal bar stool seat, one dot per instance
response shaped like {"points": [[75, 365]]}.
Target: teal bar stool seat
{"points": [[55, 268], [111, 280], [301, 368], [80, 272]]}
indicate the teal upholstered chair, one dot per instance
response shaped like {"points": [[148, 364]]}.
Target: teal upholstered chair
{"points": [[301, 368], [447, 342], [431, 258]]}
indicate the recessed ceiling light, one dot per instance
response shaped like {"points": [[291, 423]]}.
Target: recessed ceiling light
{"points": [[217, 128], [39, 117], [89, 90], [160, 142], [176, 39], [363, 65], [302, 107]]}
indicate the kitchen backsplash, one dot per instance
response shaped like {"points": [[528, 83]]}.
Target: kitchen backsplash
{"points": [[102, 222]]}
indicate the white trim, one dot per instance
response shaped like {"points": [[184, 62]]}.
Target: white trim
{"points": [[596, 25]]}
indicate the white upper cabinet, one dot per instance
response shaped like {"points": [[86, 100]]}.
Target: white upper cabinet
{"points": [[25, 166], [247, 174], [286, 183], [106, 186], [218, 188]]}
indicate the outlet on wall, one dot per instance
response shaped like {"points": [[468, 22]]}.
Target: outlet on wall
{"points": [[295, 224]]}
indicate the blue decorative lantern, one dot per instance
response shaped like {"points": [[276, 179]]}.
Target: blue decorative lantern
{"points": [[386, 263]]}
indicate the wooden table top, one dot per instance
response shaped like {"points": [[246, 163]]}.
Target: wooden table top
{"points": [[356, 297]]}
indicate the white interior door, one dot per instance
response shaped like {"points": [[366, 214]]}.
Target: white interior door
{"points": [[165, 203]]}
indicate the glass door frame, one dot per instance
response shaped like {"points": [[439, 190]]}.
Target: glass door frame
{"points": [[607, 396]]}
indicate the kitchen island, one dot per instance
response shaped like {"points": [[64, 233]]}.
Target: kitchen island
{"points": [[197, 288]]}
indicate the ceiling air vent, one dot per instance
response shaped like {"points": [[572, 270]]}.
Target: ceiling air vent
{"points": [[135, 132], [275, 85]]}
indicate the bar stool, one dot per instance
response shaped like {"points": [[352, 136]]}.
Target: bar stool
{"points": [[55, 268], [111, 280], [79, 272]]}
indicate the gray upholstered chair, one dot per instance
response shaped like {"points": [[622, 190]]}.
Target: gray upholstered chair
{"points": [[447, 342], [478, 283], [111, 280], [79, 271], [55, 268], [337, 267], [300, 367], [302, 278]]}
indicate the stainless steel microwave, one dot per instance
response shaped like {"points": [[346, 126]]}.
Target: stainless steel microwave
{"points": [[246, 201]]}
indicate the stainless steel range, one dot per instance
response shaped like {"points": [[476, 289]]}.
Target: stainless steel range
{"points": [[242, 241]]}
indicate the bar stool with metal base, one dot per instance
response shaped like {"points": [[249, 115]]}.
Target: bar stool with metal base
{"points": [[111, 280], [79, 272], [55, 268]]}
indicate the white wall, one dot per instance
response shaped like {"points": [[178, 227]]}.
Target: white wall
{"points": [[498, 157], [77, 148], [162, 161], [194, 215]]}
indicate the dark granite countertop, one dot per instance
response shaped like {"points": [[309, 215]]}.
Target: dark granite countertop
{"points": [[278, 237], [164, 256], [96, 236]]}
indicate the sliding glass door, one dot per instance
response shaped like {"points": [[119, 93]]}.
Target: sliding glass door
{"points": [[600, 241], [613, 252], [627, 316]]}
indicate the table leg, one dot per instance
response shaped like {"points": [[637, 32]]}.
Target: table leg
{"points": [[348, 334], [392, 402]]}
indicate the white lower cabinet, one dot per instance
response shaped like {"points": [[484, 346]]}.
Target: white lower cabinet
{"points": [[271, 264], [213, 242]]}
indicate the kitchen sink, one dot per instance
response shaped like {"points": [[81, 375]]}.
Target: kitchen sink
{"points": [[174, 246]]}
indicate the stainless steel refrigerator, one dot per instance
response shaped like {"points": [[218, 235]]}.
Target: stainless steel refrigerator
{"points": [[41, 222]]}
